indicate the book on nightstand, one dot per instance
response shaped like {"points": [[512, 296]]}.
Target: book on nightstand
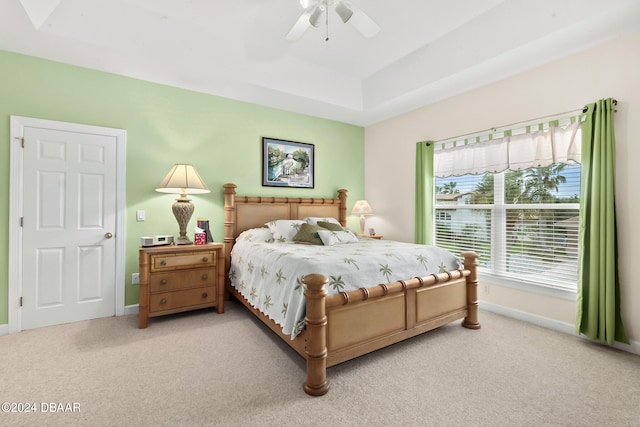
{"points": [[203, 223]]}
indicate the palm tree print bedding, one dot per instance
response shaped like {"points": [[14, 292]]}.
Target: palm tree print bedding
{"points": [[268, 272]]}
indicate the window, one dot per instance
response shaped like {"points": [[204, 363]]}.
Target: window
{"points": [[524, 224], [522, 221]]}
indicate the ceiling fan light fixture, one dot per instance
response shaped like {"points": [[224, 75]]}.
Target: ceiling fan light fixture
{"points": [[343, 11], [314, 19]]}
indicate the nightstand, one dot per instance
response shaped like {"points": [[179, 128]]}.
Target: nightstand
{"points": [[178, 278], [371, 236]]}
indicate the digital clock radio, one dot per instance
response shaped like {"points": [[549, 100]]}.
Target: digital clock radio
{"points": [[162, 239]]}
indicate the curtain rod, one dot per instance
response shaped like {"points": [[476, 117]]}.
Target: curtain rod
{"points": [[614, 101], [558, 116]]}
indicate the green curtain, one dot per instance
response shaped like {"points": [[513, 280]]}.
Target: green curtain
{"points": [[598, 303], [424, 193]]}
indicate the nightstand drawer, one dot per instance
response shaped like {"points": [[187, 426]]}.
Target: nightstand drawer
{"points": [[173, 280], [187, 260], [177, 300]]}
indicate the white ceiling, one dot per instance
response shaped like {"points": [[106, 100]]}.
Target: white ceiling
{"points": [[426, 50]]}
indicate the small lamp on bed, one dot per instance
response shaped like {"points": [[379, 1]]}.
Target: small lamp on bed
{"points": [[183, 179], [362, 208]]}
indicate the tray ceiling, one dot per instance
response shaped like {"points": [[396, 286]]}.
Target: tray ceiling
{"points": [[426, 50]]}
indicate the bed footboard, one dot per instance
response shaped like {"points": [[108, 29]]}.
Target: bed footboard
{"points": [[350, 324]]}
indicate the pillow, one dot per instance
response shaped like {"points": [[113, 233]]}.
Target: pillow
{"points": [[313, 220], [284, 229], [330, 238], [256, 235], [309, 234], [331, 226]]}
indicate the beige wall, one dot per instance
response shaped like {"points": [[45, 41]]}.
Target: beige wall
{"points": [[610, 70]]}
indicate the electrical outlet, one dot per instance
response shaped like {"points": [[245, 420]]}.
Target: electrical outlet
{"points": [[486, 289], [135, 278]]}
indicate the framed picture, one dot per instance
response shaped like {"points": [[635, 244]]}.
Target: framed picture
{"points": [[287, 163]]}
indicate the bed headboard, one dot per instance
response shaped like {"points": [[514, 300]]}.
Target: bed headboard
{"points": [[244, 212]]}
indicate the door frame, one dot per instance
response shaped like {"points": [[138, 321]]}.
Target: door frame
{"points": [[16, 189]]}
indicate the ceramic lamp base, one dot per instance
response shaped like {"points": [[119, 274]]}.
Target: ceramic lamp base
{"points": [[182, 210]]}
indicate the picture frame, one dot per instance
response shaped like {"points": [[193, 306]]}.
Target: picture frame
{"points": [[287, 163]]}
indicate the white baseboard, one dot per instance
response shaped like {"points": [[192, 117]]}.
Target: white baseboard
{"points": [[128, 309], [131, 309], [545, 322]]}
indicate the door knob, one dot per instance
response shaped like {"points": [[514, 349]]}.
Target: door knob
{"points": [[108, 235]]}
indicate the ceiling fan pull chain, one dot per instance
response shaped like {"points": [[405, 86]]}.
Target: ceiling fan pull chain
{"points": [[326, 15]]}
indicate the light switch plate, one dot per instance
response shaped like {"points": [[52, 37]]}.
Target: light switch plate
{"points": [[139, 215]]}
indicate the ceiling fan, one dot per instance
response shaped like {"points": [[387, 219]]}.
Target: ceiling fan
{"points": [[315, 10]]}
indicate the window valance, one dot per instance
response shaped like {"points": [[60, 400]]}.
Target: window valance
{"points": [[544, 147]]}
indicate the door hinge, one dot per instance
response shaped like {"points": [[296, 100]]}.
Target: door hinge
{"points": [[21, 221], [22, 142], [20, 301]]}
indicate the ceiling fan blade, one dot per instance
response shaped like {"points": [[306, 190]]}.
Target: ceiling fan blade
{"points": [[362, 22], [300, 26]]}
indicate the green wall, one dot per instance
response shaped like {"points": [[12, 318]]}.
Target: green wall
{"points": [[167, 125]]}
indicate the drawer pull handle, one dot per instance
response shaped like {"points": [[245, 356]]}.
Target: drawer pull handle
{"points": [[205, 259], [163, 301], [204, 295], [205, 276], [163, 262], [163, 281]]}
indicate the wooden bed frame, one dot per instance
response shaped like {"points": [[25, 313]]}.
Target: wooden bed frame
{"points": [[346, 325]]}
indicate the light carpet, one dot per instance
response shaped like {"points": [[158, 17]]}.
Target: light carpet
{"points": [[201, 368]]}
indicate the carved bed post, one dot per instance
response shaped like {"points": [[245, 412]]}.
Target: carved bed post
{"points": [[471, 264], [316, 345], [342, 212], [229, 227]]}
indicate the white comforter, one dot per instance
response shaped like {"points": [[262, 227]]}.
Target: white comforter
{"points": [[269, 275]]}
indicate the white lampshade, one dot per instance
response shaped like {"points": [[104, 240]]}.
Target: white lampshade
{"points": [[183, 179], [362, 207]]}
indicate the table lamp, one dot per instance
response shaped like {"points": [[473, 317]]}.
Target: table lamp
{"points": [[183, 179], [362, 208]]}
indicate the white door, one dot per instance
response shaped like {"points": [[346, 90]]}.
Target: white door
{"points": [[68, 227]]}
